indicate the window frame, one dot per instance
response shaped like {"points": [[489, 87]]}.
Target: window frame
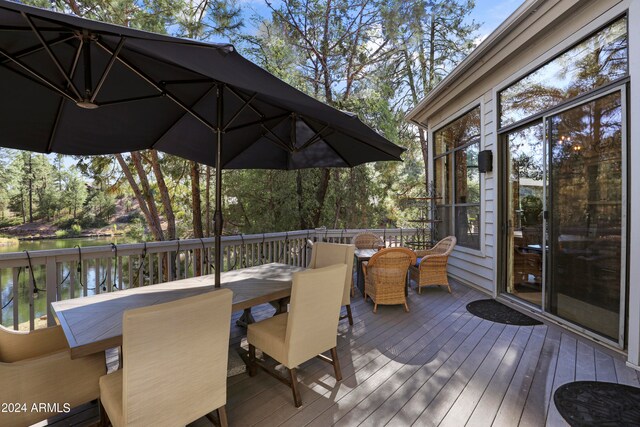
{"points": [[451, 176]]}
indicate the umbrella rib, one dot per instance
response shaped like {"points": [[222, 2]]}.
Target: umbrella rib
{"points": [[242, 98], [193, 81], [51, 54], [257, 122], [363, 141], [107, 70], [34, 73], [132, 99], [169, 95], [283, 116], [181, 117], [54, 128], [314, 138], [329, 144], [240, 110], [35, 49], [277, 141]]}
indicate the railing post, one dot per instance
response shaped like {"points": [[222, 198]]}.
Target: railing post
{"points": [[52, 287]]}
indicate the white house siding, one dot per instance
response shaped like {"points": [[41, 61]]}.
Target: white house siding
{"points": [[538, 31]]}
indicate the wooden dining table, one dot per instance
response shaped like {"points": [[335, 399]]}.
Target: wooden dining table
{"points": [[361, 256], [93, 324]]}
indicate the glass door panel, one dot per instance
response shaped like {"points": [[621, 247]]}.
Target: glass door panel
{"points": [[525, 200], [586, 214]]}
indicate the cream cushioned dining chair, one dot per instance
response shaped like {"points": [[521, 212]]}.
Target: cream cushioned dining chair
{"points": [[175, 363], [35, 367], [326, 254], [307, 330]]}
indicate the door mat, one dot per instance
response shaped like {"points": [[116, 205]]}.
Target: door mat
{"points": [[494, 311], [593, 403]]}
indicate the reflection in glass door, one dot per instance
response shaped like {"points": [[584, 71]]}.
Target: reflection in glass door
{"points": [[586, 215], [525, 196], [565, 215]]}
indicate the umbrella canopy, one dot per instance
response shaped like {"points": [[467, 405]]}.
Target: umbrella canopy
{"points": [[75, 86]]}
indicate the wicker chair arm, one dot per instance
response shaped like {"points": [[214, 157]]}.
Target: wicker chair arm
{"points": [[420, 253], [430, 260]]}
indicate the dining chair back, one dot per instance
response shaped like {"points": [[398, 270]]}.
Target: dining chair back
{"points": [[314, 311], [386, 276], [326, 254], [306, 331], [367, 240], [35, 367], [175, 362]]}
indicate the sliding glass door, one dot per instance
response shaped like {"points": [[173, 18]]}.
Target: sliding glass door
{"points": [[565, 214], [587, 214]]}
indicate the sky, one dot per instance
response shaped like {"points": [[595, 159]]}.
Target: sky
{"points": [[489, 13], [492, 13]]}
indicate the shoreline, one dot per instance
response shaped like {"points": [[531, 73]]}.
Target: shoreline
{"points": [[80, 236]]}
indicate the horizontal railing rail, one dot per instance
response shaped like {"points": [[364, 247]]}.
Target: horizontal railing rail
{"points": [[31, 281]]}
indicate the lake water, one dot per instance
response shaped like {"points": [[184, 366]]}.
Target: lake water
{"points": [[40, 301], [37, 245]]}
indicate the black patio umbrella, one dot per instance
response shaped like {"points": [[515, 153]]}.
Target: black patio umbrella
{"points": [[74, 86]]}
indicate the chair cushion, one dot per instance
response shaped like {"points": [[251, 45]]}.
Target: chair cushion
{"points": [[417, 264], [268, 335], [111, 397]]}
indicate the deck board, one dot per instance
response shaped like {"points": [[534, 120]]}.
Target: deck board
{"points": [[489, 404], [468, 399], [436, 365]]}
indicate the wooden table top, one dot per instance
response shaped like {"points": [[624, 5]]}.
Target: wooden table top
{"points": [[93, 324]]}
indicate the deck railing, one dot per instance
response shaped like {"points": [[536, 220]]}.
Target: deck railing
{"points": [[31, 281]]}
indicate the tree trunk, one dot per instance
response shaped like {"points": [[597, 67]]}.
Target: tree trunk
{"points": [[30, 189], [164, 195], [141, 201], [321, 195], [300, 197], [146, 192], [207, 197], [195, 200]]}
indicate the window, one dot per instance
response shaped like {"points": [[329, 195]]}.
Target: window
{"points": [[457, 179], [596, 61]]}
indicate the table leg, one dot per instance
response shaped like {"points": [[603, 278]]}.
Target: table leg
{"points": [[246, 318], [360, 276], [282, 306]]}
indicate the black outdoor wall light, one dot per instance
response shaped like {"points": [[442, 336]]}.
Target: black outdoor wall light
{"points": [[485, 161]]}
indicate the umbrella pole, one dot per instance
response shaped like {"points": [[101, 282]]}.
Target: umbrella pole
{"points": [[217, 216]]}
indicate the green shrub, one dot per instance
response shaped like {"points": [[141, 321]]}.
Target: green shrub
{"points": [[76, 230]]}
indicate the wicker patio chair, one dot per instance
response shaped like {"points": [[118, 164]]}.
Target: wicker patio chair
{"points": [[432, 270], [35, 368], [385, 276], [366, 240]]}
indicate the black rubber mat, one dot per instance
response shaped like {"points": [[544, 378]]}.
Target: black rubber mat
{"points": [[494, 311], [593, 403]]}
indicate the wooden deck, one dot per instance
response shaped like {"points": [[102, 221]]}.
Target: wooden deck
{"points": [[437, 365]]}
